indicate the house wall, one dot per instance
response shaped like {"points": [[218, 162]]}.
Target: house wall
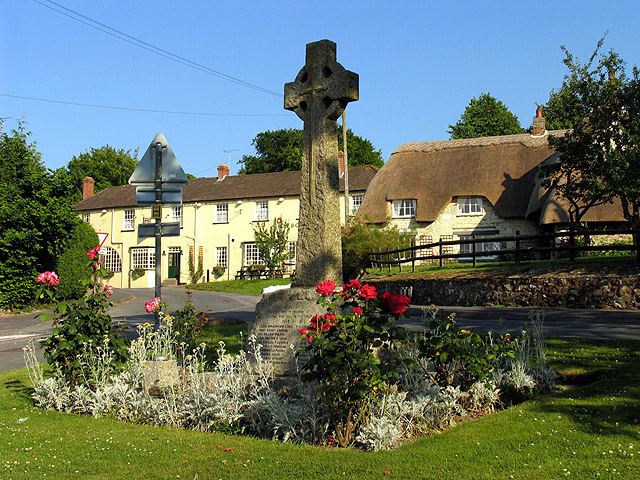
{"points": [[449, 222], [199, 232]]}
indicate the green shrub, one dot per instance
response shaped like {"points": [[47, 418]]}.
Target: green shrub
{"points": [[360, 238], [83, 328], [460, 357], [16, 288], [72, 267]]}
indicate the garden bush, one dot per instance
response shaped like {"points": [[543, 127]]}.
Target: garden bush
{"points": [[360, 238], [82, 329], [72, 266]]}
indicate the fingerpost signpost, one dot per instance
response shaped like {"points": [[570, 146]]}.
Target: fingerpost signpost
{"points": [[159, 179]]}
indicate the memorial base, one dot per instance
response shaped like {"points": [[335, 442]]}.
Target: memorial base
{"points": [[279, 317]]}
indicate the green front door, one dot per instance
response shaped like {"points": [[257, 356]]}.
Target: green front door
{"points": [[174, 265]]}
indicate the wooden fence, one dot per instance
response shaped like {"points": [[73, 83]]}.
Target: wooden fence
{"points": [[544, 244]]}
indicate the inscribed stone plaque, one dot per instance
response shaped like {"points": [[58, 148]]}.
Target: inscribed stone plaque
{"points": [[279, 317]]}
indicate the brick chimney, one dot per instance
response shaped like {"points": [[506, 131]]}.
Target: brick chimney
{"points": [[87, 187], [223, 171], [539, 124], [340, 162]]}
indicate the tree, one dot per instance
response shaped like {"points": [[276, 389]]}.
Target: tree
{"points": [[281, 151], [567, 107], [34, 224], [108, 166], [485, 117], [600, 158], [273, 243]]}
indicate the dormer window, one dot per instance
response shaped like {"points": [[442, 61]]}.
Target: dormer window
{"points": [[470, 206], [404, 208]]}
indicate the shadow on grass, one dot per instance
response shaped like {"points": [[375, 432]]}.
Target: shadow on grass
{"points": [[21, 389], [602, 392]]}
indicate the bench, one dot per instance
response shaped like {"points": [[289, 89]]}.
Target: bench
{"points": [[246, 273]]}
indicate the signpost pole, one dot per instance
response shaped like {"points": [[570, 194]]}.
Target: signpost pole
{"points": [[158, 233]]}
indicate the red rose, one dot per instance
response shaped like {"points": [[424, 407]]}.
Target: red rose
{"points": [[368, 292], [326, 288], [396, 304], [316, 321], [349, 289], [357, 311], [330, 318]]}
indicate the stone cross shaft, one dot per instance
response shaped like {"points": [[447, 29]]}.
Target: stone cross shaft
{"points": [[319, 95]]}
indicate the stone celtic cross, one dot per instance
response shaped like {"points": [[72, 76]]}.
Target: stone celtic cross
{"points": [[319, 95]]}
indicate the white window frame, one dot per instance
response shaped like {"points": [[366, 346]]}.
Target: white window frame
{"points": [[470, 206], [222, 213], [143, 257], [110, 259], [86, 216], [176, 215], [251, 254], [480, 247], [404, 208], [222, 258], [356, 201], [262, 211], [129, 220]]}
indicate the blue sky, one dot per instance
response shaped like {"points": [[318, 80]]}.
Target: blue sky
{"points": [[420, 63]]}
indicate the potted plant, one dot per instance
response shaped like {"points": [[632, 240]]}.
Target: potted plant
{"points": [[137, 273], [218, 271]]}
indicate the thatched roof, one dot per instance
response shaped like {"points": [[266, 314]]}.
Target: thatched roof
{"points": [[237, 187], [501, 169]]}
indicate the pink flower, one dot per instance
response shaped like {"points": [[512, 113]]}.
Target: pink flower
{"points": [[326, 288], [368, 292], [357, 311], [152, 305], [93, 252], [109, 289], [395, 303], [49, 279]]}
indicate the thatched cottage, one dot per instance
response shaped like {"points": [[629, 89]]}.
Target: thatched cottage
{"points": [[486, 186]]}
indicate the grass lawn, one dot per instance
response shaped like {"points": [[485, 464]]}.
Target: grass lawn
{"points": [[592, 264], [251, 287], [585, 431]]}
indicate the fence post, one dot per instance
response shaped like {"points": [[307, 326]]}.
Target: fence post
{"points": [[473, 250], [440, 250], [572, 243], [517, 247], [413, 255], [399, 262], [388, 259]]}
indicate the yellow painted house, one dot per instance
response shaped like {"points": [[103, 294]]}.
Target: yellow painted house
{"points": [[216, 223]]}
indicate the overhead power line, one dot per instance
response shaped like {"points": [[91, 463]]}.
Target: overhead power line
{"points": [[78, 104], [56, 7]]}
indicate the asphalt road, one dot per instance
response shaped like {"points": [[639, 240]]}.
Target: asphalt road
{"points": [[17, 330]]}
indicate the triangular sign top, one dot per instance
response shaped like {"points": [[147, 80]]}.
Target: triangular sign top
{"points": [[145, 172]]}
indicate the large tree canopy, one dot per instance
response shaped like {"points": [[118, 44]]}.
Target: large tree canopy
{"points": [[108, 166], [600, 157], [485, 117], [570, 104], [281, 150], [34, 223]]}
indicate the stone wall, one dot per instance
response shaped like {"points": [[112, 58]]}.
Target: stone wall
{"points": [[570, 290]]}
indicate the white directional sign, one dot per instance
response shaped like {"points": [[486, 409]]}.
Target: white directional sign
{"points": [[145, 172]]}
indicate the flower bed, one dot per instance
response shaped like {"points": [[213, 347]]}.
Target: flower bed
{"points": [[366, 383]]}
